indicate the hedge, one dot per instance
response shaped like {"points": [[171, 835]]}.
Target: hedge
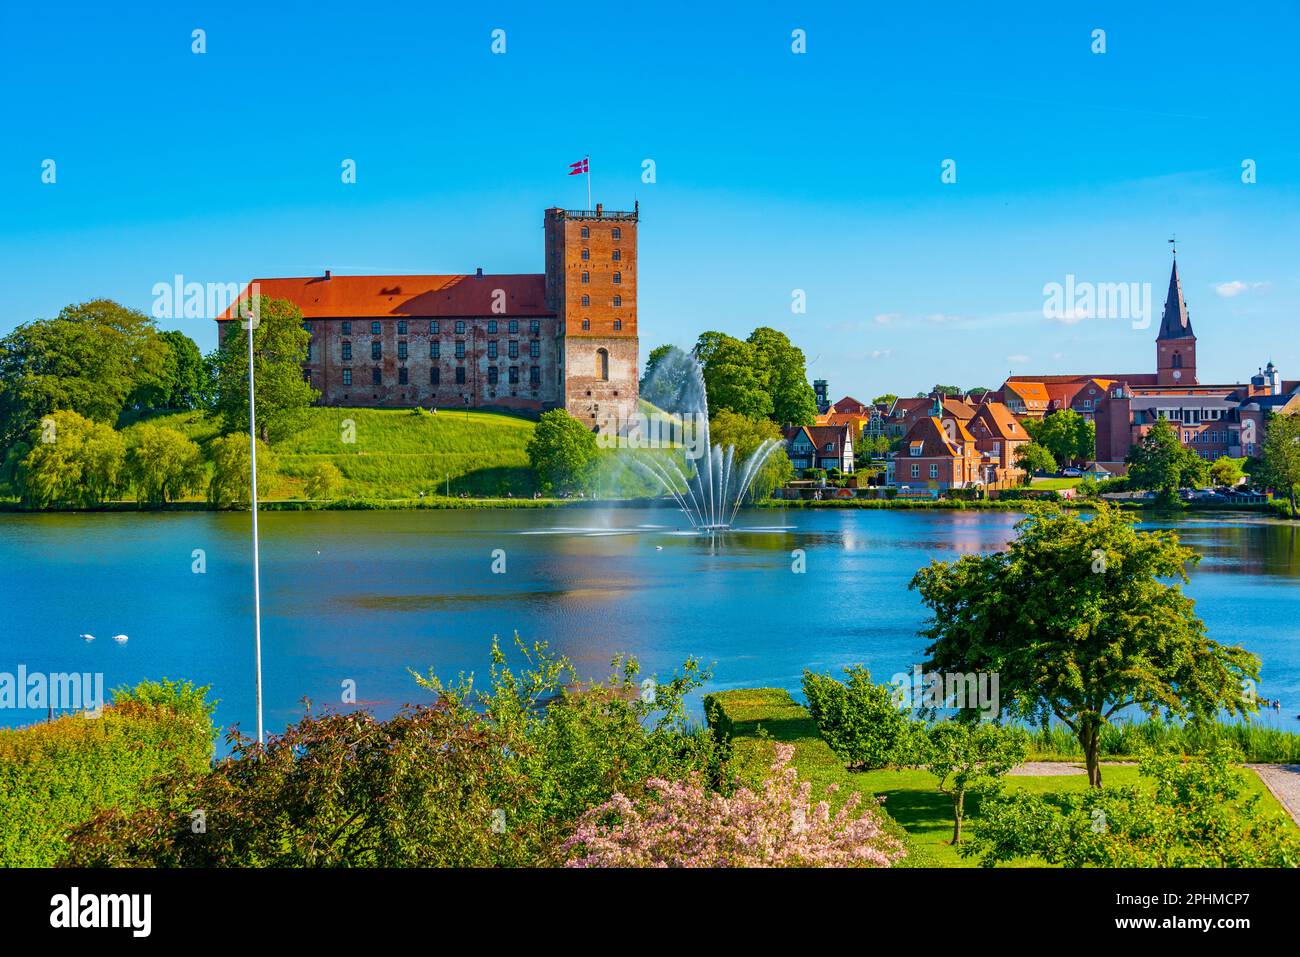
{"points": [[58, 774]]}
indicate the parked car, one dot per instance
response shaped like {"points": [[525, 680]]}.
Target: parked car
{"points": [[1071, 472]]}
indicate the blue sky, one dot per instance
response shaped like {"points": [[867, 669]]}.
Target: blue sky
{"points": [[775, 171]]}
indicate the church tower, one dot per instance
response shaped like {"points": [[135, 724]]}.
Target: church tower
{"points": [[1176, 343]]}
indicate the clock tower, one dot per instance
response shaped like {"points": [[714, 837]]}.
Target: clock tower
{"points": [[1176, 343]]}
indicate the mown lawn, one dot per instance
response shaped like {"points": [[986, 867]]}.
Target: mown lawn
{"points": [[1054, 483], [761, 716]]}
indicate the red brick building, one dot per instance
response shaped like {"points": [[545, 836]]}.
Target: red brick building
{"points": [[563, 338]]}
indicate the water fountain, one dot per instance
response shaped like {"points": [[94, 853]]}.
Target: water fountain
{"points": [[710, 489]]}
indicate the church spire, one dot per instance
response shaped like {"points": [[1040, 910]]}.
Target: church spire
{"points": [[1176, 323]]}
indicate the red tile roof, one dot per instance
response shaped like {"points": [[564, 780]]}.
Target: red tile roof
{"points": [[363, 297]]}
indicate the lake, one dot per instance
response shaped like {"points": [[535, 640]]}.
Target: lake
{"points": [[363, 596]]}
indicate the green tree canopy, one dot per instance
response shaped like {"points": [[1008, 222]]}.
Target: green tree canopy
{"points": [[1227, 471], [231, 481], [163, 465], [279, 350], [1279, 464], [72, 461], [1066, 434], [1079, 620], [1160, 463], [785, 377], [89, 360], [732, 377], [746, 435], [970, 757], [562, 453], [1033, 457], [887, 399]]}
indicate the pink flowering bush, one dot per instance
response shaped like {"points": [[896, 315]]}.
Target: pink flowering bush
{"points": [[684, 824]]}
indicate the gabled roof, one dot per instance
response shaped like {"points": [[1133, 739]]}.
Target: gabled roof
{"points": [[365, 297], [850, 405], [904, 408], [1033, 394], [958, 409], [1175, 323], [1000, 422], [929, 433], [823, 435]]}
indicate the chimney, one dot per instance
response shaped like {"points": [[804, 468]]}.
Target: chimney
{"points": [[479, 274], [600, 207], [327, 275]]}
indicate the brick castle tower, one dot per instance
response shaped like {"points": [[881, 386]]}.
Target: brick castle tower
{"points": [[591, 287]]}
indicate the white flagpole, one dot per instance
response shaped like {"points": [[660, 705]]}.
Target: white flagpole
{"points": [[587, 162], [257, 585]]}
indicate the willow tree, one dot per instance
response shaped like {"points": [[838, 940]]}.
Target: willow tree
{"points": [[1082, 619]]}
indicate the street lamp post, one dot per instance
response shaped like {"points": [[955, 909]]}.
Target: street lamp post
{"points": [[257, 585]]}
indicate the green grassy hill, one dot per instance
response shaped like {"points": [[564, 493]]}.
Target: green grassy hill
{"points": [[394, 453]]}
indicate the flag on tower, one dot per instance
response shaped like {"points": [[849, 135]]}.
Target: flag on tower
{"points": [[579, 167]]}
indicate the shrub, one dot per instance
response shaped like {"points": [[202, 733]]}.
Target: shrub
{"points": [[323, 480], [859, 720], [232, 468], [58, 774], [685, 824]]}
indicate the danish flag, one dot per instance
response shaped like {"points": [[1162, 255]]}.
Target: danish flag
{"points": [[578, 167]]}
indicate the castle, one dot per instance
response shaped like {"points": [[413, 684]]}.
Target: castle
{"points": [[564, 338]]}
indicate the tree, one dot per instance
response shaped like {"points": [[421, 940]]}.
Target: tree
{"points": [[1033, 457], [1279, 464], [669, 382], [887, 399], [186, 382], [1080, 620], [746, 435], [1227, 471], [88, 360], [163, 465], [968, 757], [732, 377], [785, 377], [977, 391], [951, 391], [71, 461], [323, 481], [860, 721], [232, 470], [1160, 463], [1067, 435], [562, 453], [279, 350], [1194, 816]]}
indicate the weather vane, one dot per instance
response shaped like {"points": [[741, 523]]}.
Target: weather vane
{"points": [[1173, 244]]}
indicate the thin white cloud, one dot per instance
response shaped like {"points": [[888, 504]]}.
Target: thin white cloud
{"points": [[1018, 358], [1235, 287], [881, 353], [885, 318]]}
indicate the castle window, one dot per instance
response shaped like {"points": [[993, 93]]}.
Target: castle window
{"points": [[492, 375], [460, 350], [586, 277], [618, 325], [586, 253], [586, 324], [602, 365], [347, 328], [492, 327], [433, 327], [347, 376], [534, 348], [375, 329], [616, 233], [618, 302], [535, 327], [492, 349], [401, 376], [617, 278], [586, 300], [535, 377], [514, 349], [347, 351], [514, 375], [376, 349], [401, 349], [1178, 360], [514, 326], [435, 350], [435, 376], [401, 327], [617, 255], [460, 375], [585, 232], [375, 376], [460, 327]]}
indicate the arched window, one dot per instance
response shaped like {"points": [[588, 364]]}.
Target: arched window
{"points": [[602, 365], [1178, 360]]}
